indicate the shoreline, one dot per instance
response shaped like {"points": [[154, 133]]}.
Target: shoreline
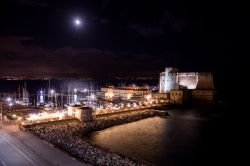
{"points": [[69, 137]]}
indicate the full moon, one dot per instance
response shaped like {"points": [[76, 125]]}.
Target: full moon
{"points": [[77, 22]]}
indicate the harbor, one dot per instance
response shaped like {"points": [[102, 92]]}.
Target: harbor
{"points": [[72, 117], [50, 104]]}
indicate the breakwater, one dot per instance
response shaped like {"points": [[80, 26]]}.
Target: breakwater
{"points": [[69, 136]]}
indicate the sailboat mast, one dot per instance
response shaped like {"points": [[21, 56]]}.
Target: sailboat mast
{"points": [[19, 95]]}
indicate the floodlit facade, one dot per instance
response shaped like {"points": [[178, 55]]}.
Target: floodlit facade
{"points": [[172, 79], [195, 87], [127, 92]]}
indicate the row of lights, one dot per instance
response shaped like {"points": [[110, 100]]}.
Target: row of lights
{"points": [[129, 105]]}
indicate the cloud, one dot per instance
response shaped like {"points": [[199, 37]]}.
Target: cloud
{"points": [[177, 24], [31, 3], [147, 31], [13, 45], [19, 56], [65, 51]]}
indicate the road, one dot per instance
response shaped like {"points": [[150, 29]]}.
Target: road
{"points": [[18, 148]]}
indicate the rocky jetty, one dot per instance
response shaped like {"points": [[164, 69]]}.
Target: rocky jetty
{"points": [[69, 136]]}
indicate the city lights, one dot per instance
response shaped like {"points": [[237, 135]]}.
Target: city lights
{"points": [[52, 91], [129, 96], [46, 115], [148, 97], [109, 95], [8, 99]]}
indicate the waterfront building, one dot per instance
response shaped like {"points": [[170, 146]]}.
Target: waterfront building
{"points": [[126, 93], [82, 113], [179, 96]]}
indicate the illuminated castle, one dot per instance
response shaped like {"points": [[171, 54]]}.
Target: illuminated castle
{"points": [[172, 79], [184, 86]]}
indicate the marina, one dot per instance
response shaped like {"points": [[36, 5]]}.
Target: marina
{"points": [[79, 119], [49, 104]]}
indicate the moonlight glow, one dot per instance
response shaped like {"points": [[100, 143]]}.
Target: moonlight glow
{"points": [[77, 22]]}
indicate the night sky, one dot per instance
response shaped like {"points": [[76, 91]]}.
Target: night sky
{"points": [[116, 38]]}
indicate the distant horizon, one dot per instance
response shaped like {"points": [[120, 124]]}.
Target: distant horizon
{"points": [[114, 74]]}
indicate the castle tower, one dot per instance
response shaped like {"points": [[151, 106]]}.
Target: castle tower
{"points": [[168, 80]]}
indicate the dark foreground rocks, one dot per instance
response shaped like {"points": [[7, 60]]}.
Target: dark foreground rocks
{"points": [[69, 137]]}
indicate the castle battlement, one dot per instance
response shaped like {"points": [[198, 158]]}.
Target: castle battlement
{"points": [[172, 79]]}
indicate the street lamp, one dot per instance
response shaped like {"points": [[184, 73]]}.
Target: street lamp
{"points": [[52, 91], [10, 105]]}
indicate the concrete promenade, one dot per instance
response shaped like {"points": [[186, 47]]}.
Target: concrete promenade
{"points": [[18, 148]]}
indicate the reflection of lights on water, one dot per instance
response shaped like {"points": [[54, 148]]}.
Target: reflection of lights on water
{"points": [[8, 99]]}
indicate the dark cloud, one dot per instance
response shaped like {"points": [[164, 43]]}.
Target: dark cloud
{"points": [[176, 23], [147, 31], [18, 56], [165, 23], [13, 45], [65, 51], [31, 3]]}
